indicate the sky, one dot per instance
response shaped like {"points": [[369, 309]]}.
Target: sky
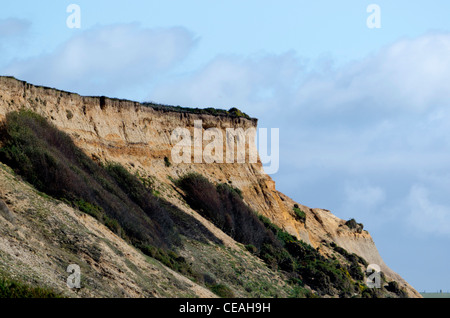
{"points": [[363, 112]]}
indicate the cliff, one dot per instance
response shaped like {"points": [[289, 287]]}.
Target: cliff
{"points": [[139, 137]]}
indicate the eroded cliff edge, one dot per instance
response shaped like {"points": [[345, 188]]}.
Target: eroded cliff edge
{"points": [[138, 137]]}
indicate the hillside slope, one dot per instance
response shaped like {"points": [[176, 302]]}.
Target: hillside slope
{"points": [[40, 237], [138, 137]]}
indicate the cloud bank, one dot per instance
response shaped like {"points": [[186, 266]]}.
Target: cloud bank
{"points": [[108, 59]]}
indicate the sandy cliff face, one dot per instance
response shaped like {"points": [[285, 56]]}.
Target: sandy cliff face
{"points": [[139, 138]]}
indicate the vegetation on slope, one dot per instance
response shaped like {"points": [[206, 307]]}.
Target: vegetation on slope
{"points": [[299, 214], [353, 225], [48, 159], [232, 112], [302, 264], [224, 206], [16, 289]]}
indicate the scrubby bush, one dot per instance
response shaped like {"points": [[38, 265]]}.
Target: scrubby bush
{"points": [[49, 160], [89, 208], [352, 224], [167, 162], [395, 288], [16, 289], [274, 246], [299, 214], [233, 112], [354, 260], [251, 248], [223, 205], [237, 113], [170, 259], [222, 290]]}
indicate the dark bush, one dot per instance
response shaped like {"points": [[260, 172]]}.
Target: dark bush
{"points": [[170, 259], [223, 205], [164, 226], [352, 224], [355, 271], [233, 112], [49, 160], [277, 257], [222, 290], [89, 208], [251, 248], [274, 246], [354, 260], [299, 214], [167, 162], [395, 288]]}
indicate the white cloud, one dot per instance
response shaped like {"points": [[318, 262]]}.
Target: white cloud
{"points": [[107, 59], [410, 75], [364, 202], [389, 111], [253, 83], [425, 215], [364, 196]]}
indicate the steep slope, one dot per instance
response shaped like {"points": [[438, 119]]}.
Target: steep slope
{"points": [[40, 237], [138, 137]]}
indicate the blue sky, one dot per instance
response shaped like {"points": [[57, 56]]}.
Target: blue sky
{"points": [[363, 113]]}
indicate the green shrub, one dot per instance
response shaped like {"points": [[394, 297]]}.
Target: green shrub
{"points": [[299, 214], [69, 114], [89, 208], [170, 259], [355, 271], [167, 162], [223, 205], [222, 290], [395, 288], [278, 258], [277, 248], [16, 289], [113, 225], [354, 260], [251, 248], [352, 224], [230, 189], [233, 112]]}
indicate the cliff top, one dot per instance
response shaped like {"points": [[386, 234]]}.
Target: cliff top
{"points": [[232, 112]]}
